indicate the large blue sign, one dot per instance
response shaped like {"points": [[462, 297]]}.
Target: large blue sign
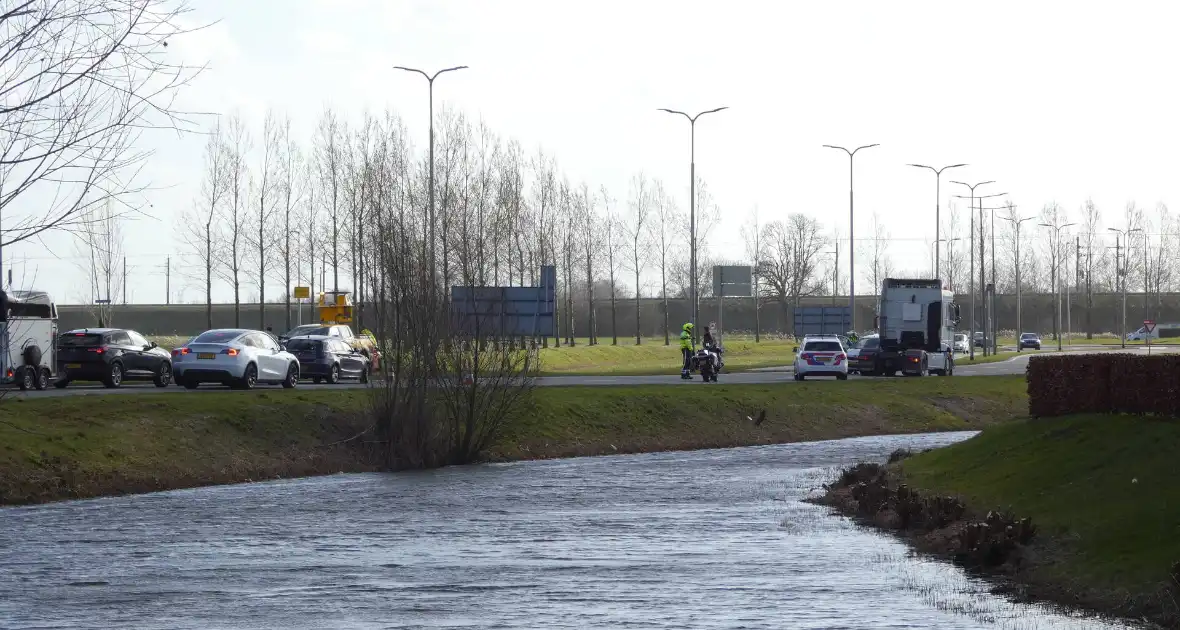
{"points": [[507, 311]]}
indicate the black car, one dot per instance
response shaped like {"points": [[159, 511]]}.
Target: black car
{"points": [[110, 355], [325, 358]]}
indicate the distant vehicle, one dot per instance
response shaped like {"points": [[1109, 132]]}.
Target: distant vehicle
{"points": [[1030, 340], [980, 340], [234, 357], [324, 358], [111, 356], [961, 345], [1161, 331], [821, 356], [860, 358], [28, 328], [916, 327]]}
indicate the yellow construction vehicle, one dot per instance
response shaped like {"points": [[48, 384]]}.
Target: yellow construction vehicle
{"points": [[335, 307]]}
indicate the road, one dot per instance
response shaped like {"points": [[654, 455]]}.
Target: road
{"points": [[1015, 365]]}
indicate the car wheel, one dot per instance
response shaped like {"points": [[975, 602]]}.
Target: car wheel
{"points": [[334, 375], [163, 375], [800, 377], [26, 379], [62, 384], [114, 378], [292, 376], [191, 384], [842, 377], [43, 377], [365, 375], [249, 377]]}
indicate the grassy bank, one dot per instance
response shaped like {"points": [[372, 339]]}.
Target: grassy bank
{"points": [[56, 448], [1102, 492]]}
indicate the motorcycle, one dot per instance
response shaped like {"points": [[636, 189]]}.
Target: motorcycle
{"points": [[708, 362]]}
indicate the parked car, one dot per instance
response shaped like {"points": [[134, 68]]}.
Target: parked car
{"points": [[961, 345], [324, 358], [980, 340], [860, 358], [234, 357], [821, 356], [1030, 340], [111, 356]]}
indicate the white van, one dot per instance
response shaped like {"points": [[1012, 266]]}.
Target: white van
{"points": [[28, 339], [1161, 331]]}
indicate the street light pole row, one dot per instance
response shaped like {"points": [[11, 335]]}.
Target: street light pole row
{"points": [[851, 239], [937, 214], [1057, 227], [1016, 223]]}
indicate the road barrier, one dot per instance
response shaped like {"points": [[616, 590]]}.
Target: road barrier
{"points": [[1103, 383]]}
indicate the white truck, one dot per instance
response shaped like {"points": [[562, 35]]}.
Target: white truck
{"points": [[28, 339], [916, 325]]}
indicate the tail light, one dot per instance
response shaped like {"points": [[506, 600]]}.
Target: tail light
{"points": [[913, 359], [806, 356], [233, 352], [179, 352], [840, 358]]}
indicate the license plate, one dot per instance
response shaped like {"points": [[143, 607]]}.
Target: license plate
{"points": [[73, 366], [206, 355]]}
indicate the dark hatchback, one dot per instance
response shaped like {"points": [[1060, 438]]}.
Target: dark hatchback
{"points": [[111, 356], [324, 358]]}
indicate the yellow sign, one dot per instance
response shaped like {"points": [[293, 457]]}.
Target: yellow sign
{"points": [[302, 293]]}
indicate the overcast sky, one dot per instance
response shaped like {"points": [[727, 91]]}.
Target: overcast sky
{"points": [[1056, 101]]}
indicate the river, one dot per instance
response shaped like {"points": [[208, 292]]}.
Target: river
{"points": [[705, 539]]}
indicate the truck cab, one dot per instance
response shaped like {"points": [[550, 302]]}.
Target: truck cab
{"points": [[916, 326]]}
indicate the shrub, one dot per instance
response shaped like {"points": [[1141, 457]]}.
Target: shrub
{"points": [[1103, 383]]}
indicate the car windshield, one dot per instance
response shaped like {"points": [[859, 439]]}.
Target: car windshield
{"points": [[1028, 336], [960, 337], [296, 345], [80, 340], [307, 329], [822, 346], [870, 343], [217, 336]]}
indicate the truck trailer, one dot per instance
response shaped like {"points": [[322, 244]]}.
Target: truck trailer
{"points": [[916, 325]]}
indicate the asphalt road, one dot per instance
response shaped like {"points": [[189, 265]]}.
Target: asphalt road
{"points": [[1015, 365]]}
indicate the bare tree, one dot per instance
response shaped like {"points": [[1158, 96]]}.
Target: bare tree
{"points": [[664, 230], [329, 160], [292, 186], [1160, 258], [754, 238], [82, 81], [954, 263], [98, 240], [638, 243], [612, 234], [1092, 247], [792, 260], [591, 233], [236, 215], [880, 264], [262, 234], [198, 230], [1053, 215]]}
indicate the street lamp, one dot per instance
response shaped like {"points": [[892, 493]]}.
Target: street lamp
{"points": [[1122, 274], [692, 206], [1056, 266], [937, 213], [851, 240], [1016, 223], [430, 81], [934, 251]]}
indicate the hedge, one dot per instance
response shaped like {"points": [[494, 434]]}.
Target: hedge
{"points": [[1103, 383]]}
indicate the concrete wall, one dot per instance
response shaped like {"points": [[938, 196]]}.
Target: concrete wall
{"points": [[189, 319]]}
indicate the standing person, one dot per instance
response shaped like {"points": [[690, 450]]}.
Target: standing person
{"points": [[686, 350]]}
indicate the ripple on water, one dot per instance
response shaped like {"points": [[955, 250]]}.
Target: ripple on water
{"points": [[704, 539]]}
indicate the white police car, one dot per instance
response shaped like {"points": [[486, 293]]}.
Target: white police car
{"points": [[821, 356]]}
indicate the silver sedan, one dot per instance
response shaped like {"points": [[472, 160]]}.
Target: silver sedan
{"points": [[234, 357]]}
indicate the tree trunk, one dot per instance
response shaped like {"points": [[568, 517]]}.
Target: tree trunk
{"points": [[209, 275], [638, 327]]}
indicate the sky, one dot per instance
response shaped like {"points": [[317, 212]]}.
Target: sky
{"points": [[1055, 101]]}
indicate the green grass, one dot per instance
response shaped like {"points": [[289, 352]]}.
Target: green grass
{"points": [[77, 446], [1101, 531], [653, 357]]}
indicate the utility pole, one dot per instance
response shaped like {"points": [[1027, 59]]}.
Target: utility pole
{"points": [[1121, 275], [168, 280], [1016, 227], [937, 213], [971, 271]]}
